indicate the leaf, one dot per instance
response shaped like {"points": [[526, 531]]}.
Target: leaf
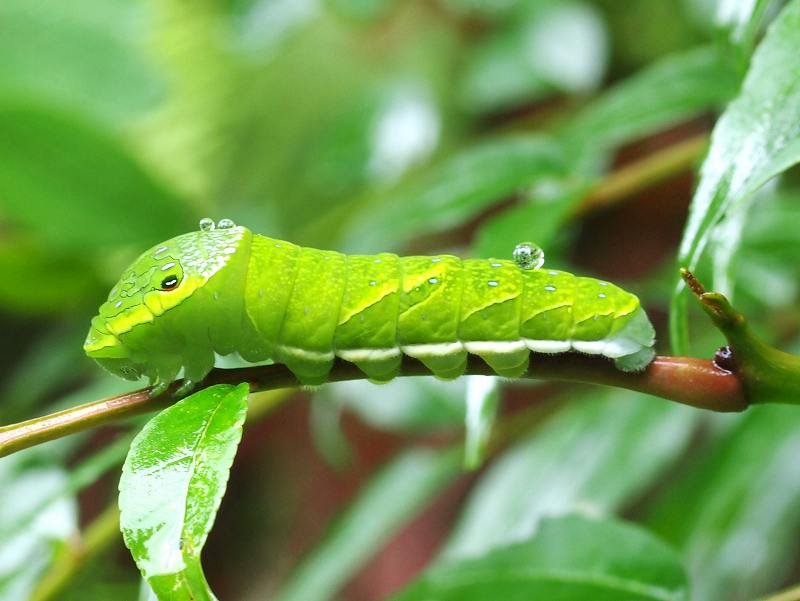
{"points": [[483, 397], [527, 59], [741, 19], [90, 55], [756, 138], [538, 217], [568, 558], [735, 512], [388, 501], [641, 105], [408, 405], [29, 537], [172, 483], [75, 188], [457, 189], [596, 454]]}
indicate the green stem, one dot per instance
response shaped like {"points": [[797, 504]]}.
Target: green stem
{"points": [[695, 382]]}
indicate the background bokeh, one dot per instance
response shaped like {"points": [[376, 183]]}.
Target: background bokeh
{"points": [[414, 126]]}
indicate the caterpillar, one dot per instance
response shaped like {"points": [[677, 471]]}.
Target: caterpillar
{"points": [[224, 289]]}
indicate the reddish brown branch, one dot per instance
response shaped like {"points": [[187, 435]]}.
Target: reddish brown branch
{"points": [[695, 382]]}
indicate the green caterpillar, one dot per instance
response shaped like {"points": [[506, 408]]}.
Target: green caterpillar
{"points": [[224, 289]]}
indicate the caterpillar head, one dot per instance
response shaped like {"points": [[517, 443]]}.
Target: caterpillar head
{"points": [[126, 336]]}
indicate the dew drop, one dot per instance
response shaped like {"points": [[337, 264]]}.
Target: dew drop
{"points": [[225, 224], [493, 283], [207, 224], [528, 255]]}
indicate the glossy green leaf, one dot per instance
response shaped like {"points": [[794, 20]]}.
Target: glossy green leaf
{"points": [[483, 398], [735, 512], [458, 188], [597, 454], [73, 187], [568, 558], [172, 484], [387, 502], [642, 104], [756, 138]]}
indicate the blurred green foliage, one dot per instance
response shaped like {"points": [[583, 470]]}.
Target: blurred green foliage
{"points": [[410, 125]]}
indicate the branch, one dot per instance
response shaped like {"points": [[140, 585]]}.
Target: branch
{"points": [[767, 374], [686, 380]]}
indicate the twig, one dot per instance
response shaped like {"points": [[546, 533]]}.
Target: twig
{"points": [[695, 382], [790, 594], [642, 174]]}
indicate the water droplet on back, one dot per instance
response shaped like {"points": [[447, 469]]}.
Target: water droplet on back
{"points": [[528, 255], [207, 224], [225, 224]]}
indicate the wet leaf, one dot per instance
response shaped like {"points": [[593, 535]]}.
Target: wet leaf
{"points": [[172, 484], [566, 559], [756, 138]]}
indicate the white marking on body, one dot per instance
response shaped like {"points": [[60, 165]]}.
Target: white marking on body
{"points": [[432, 350], [553, 272], [550, 288], [168, 266], [493, 346], [304, 354], [547, 346], [365, 354], [436, 260], [493, 283], [433, 281], [601, 295]]}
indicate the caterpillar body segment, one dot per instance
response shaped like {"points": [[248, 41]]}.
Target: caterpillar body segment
{"points": [[230, 290]]}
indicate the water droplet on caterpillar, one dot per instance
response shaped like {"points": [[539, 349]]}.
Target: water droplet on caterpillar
{"points": [[528, 255], [207, 224], [225, 224]]}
